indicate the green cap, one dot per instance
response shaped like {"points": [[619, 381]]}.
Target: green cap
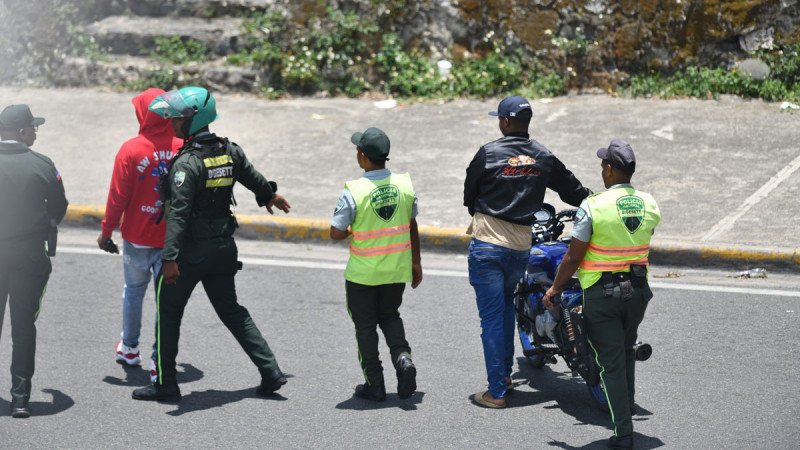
{"points": [[17, 117], [373, 142]]}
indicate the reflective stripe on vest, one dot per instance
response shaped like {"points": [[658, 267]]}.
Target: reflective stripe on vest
{"points": [[613, 251], [380, 248], [391, 231], [623, 220], [385, 250]]}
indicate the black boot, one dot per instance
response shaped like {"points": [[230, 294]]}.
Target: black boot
{"points": [[158, 393], [20, 410], [271, 381], [406, 377], [620, 442], [375, 393]]}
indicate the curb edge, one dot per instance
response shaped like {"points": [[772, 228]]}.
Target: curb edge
{"points": [[271, 228]]}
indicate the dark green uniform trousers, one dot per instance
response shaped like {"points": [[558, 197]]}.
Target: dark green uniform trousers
{"points": [[214, 265], [24, 271], [612, 326], [371, 307]]}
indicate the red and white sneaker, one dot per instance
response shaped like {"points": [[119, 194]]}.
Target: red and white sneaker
{"points": [[153, 371], [127, 355]]}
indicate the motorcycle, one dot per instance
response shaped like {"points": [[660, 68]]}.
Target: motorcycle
{"points": [[560, 331]]}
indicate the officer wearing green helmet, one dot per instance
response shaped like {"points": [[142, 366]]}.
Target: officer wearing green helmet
{"points": [[197, 192]]}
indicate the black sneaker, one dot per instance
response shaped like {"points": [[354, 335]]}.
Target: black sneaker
{"points": [[406, 377], [620, 441], [158, 393], [271, 382], [20, 411], [370, 392]]}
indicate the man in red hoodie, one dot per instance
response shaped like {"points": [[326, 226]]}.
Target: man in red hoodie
{"points": [[133, 199]]}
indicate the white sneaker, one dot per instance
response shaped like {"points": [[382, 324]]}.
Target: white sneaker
{"points": [[128, 355], [153, 371]]}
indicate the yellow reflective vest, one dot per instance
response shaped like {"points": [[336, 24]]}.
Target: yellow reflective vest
{"points": [[623, 220], [380, 247]]}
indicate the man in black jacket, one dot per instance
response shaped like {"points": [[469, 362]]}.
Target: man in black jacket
{"points": [[32, 202], [505, 186]]}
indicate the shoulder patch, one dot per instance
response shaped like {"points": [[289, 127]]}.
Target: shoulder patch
{"points": [[180, 177], [340, 205]]}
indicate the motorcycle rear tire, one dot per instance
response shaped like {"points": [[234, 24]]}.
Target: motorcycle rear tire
{"points": [[537, 361]]}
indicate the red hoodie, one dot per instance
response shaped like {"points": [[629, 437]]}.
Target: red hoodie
{"points": [[133, 195]]}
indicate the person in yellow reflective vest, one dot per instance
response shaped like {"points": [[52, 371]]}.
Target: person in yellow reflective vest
{"points": [[377, 213], [609, 248]]}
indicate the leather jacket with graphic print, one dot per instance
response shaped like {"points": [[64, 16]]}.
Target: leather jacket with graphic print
{"points": [[507, 179]]}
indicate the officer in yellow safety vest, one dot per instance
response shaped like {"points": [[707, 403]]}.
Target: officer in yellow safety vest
{"points": [[609, 248], [377, 212]]}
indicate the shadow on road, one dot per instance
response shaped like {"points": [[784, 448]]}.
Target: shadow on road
{"points": [[212, 398], [568, 392], [572, 397], [640, 442], [137, 376], [392, 401], [61, 402]]}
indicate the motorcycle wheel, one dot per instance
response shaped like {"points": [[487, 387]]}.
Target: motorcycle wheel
{"points": [[598, 394], [536, 361]]}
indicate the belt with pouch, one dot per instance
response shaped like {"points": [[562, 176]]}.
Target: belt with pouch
{"points": [[626, 281]]}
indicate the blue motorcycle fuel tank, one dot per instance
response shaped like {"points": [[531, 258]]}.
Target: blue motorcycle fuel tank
{"points": [[544, 260]]}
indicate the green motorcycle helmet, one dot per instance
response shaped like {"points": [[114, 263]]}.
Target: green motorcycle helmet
{"points": [[193, 103]]}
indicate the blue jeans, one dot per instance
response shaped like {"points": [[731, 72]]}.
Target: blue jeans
{"points": [[494, 272], [139, 265]]}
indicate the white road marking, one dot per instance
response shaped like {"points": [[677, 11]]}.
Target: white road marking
{"points": [[664, 132], [81, 250], [560, 113], [726, 289], [255, 261], [726, 223]]}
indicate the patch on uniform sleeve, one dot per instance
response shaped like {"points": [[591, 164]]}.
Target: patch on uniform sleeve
{"points": [[340, 205], [180, 177], [580, 214]]}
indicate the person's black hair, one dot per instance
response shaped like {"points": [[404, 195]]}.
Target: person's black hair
{"points": [[377, 162], [521, 122]]}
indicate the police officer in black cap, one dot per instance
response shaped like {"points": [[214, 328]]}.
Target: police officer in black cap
{"points": [[610, 247], [32, 202]]}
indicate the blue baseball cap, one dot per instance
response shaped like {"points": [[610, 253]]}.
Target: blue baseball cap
{"points": [[514, 106]]}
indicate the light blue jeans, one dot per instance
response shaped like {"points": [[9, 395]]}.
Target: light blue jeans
{"points": [[494, 272], [139, 266]]}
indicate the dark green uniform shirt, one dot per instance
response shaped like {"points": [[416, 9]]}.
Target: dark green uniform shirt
{"points": [[31, 194], [189, 222]]}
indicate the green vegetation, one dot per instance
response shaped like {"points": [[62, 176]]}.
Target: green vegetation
{"points": [[333, 56], [783, 82], [164, 78], [339, 52], [175, 49]]}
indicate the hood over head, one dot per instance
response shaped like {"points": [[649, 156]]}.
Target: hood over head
{"points": [[150, 122]]}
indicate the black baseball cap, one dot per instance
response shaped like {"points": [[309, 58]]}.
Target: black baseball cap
{"points": [[620, 155], [373, 142], [514, 106], [17, 117]]}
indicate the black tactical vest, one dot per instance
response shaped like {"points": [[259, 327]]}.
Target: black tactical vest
{"points": [[219, 173]]}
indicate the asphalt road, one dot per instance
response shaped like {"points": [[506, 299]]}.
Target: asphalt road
{"points": [[723, 374]]}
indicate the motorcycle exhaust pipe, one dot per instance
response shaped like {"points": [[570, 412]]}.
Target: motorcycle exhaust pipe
{"points": [[643, 351]]}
